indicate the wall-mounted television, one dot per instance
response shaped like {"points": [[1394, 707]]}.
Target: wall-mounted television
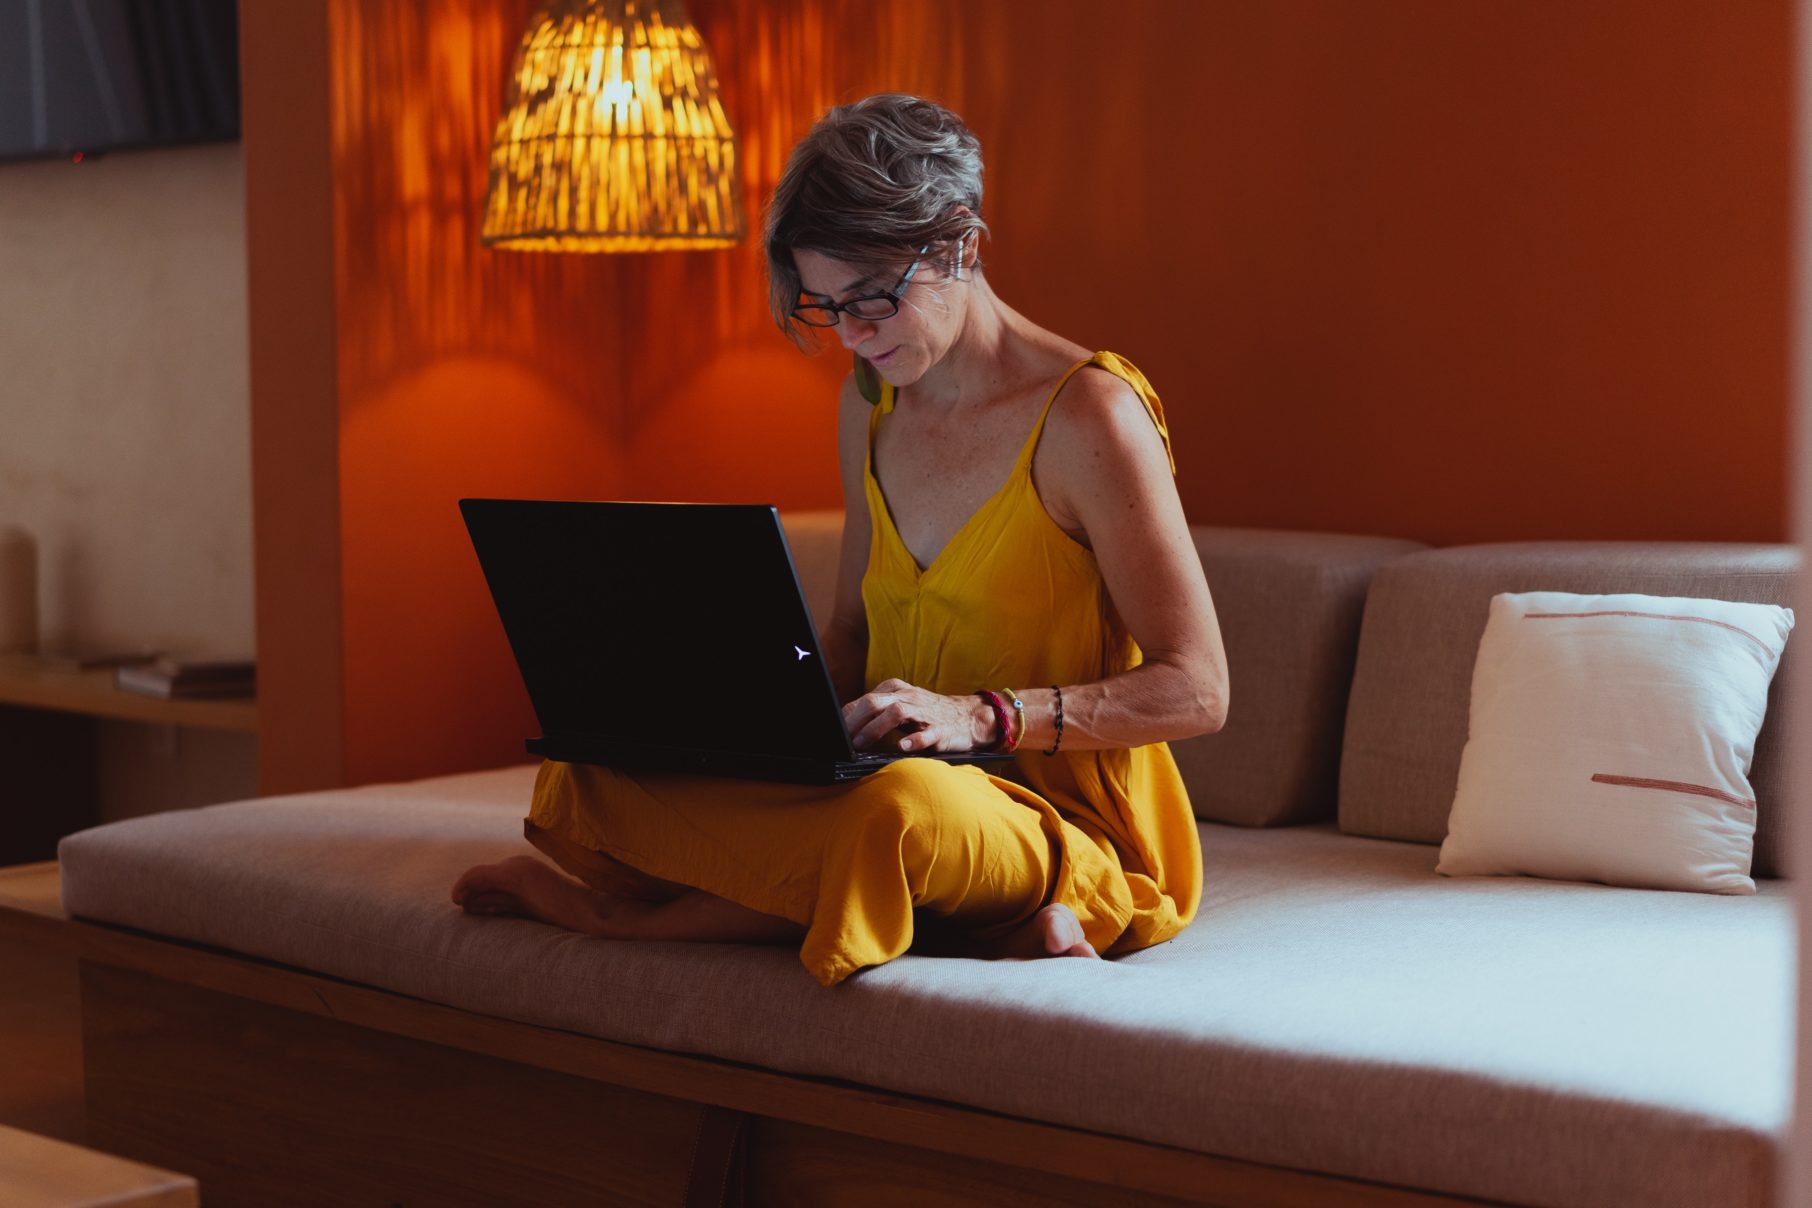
{"points": [[83, 77]]}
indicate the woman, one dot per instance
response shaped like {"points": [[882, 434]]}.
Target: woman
{"points": [[1011, 524]]}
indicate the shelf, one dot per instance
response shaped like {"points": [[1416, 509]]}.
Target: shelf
{"points": [[28, 682]]}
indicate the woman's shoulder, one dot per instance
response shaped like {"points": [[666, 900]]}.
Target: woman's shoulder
{"points": [[1096, 394], [1100, 421], [1092, 400]]}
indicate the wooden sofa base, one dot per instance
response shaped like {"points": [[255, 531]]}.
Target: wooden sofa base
{"points": [[267, 1106], [275, 1086]]}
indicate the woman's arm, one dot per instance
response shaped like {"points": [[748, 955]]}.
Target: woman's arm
{"points": [[846, 637], [1102, 469], [1108, 473]]}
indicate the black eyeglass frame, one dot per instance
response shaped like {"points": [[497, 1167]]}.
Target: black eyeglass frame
{"points": [[838, 309]]}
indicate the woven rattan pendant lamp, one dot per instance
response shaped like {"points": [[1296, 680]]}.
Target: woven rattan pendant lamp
{"points": [[613, 138]]}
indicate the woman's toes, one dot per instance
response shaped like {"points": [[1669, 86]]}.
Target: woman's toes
{"points": [[462, 888], [498, 881], [494, 901], [1062, 931]]}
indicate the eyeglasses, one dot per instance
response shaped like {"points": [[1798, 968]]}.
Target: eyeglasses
{"points": [[869, 307]]}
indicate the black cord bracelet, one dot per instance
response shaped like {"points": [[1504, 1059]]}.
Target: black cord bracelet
{"points": [[1059, 740]]}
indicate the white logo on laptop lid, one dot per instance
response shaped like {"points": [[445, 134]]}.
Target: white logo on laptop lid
{"points": [[802, 653]]}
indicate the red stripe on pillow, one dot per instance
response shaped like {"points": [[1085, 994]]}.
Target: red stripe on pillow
{"points": [[1675, 786], [1659, 616]]}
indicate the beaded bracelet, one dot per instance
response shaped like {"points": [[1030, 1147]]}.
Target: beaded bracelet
{"points": [[1000, 717], [1019, 711], [1059, 741]]}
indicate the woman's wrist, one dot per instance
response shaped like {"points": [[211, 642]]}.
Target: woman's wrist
{"points": [[1040, 719], [1034, 721], [1004, 725], [984, 728]]}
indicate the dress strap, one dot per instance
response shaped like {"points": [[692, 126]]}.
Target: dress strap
{"points": [[1123, 370]]}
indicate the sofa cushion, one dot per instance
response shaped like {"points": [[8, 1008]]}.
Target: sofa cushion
{"points": [[1406, 718], [815, 539], [1610, 739], [1289, 606], [1334, 1007]]}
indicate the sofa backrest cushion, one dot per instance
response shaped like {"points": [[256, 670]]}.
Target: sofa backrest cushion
{"points": [[1289, 606], [1406, 721], [816, 539]]}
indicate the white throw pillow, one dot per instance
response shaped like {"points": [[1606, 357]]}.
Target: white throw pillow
{"points": [[1611, 739]]}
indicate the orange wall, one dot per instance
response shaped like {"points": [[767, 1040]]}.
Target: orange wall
{"points": [[723, 408], [1473, 272], [1455, 272], [462, 373]]}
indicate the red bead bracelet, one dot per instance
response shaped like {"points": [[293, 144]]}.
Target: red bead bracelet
{"points": [[1007, 742]]}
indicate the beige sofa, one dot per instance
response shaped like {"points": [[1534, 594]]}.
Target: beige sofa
{"points": [[1339, 1025]]}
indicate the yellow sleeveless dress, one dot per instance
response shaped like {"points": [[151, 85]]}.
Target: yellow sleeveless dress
{"points": [[923, 850]]}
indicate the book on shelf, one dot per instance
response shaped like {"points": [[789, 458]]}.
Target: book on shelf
{"points": [[174, 677]]}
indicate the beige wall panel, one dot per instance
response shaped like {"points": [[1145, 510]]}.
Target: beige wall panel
{"points": [[124, 406]]}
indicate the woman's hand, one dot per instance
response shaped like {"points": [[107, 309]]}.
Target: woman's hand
{"points": [[932, 722]]}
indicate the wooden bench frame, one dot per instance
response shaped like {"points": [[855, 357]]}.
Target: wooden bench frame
{"points": [[273, 1085]]}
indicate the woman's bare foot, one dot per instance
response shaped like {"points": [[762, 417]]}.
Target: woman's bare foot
{"points": [[1053, 931], [524, 886]]}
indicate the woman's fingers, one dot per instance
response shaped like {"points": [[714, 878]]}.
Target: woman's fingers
{"points": [[889, 717], [879, 710], [857, 713], [932, 722]]}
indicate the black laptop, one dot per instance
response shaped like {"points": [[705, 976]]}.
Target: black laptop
{"points": [[668, 636]]}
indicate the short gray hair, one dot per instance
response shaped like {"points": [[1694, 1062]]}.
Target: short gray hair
{"points": [[871, 184]]}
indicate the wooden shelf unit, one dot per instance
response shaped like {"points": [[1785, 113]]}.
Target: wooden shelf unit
{"points": [[29, 682]]}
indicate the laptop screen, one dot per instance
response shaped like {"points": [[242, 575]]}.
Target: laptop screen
{"points": [[669, 624]]}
